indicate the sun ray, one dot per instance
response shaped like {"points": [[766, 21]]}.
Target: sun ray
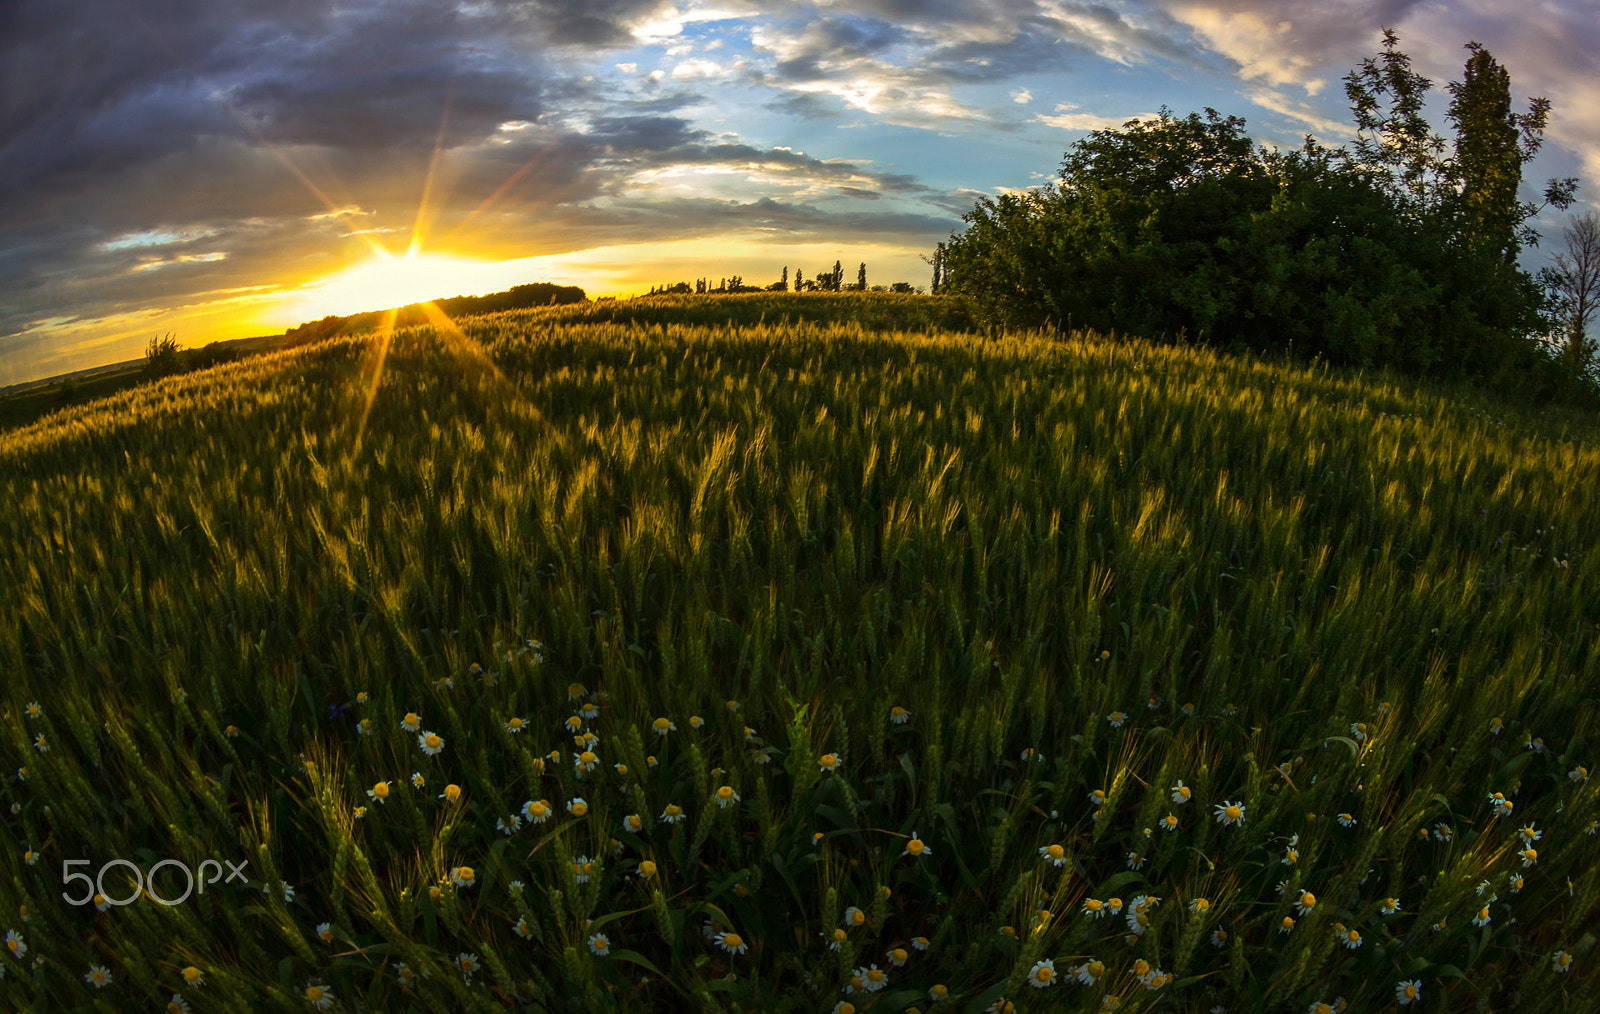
{"points": [[462, 346], [489, 202], [425, 207], [385, 335]]}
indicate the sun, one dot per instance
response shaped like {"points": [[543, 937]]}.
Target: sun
{"points": [[386, 281]]}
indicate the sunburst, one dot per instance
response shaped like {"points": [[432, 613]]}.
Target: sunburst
{"points": [[418, 278]]}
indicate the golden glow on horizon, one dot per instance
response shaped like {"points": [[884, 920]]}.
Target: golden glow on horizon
{"points": [[387, 281]]}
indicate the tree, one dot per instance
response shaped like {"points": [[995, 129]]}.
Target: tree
{"points": [[1475, 194], [1389, 254], [1574, 285], [783, 284], [1398, 146], [163, 356], [1492, 146], [861, 277]]}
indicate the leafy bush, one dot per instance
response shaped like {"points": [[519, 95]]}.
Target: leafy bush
{"points": [[163, 357], [1169, 227]]}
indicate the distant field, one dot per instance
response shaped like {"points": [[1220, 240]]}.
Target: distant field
{"points": [[1069, 674]]}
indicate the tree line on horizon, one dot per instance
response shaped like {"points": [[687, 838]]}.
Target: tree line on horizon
{"points": [[1391, 254], [824, 281]]}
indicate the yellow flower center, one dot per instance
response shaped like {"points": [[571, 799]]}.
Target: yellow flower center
{"points": [[838, 936], [731, 940], [381, 790], [673, 809], [1044, 973], [314, 993], [915, 846], [465, 873], [1288, 923], [515, 723], [875, 975], [828, 760], [1234, 811], [648, 867], [433, 740], [1056, 851], [412, 718], [1096, 969], [191, 974], [899, 954], [726, 792], [1201, 905], [1411, 992], [452, 791], [940, 990], [858, 917], [1141, 968], [1308, 899], [588, 757], [662, 724], [579, 809]]}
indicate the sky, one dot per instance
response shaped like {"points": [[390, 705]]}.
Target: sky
{"points": [[215, 169]]}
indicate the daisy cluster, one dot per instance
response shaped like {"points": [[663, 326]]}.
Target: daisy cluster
{"points": [[619, 827]]}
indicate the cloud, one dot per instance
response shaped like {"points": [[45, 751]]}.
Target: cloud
{"points": [[903, 62], [1279, 43], [1065, 119], [202, 153]]}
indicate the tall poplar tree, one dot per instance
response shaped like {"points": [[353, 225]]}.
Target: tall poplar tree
{"points": [[1489, 155]]}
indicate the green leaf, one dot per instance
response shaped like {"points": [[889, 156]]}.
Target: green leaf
{"points": [[634, 957], [840, 819], [783, 871], [601, 920], [1355, 749], [1115, 882]]}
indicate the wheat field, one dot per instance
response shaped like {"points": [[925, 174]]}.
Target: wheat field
{"points": [[758, 654]]}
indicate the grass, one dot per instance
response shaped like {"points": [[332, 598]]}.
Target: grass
{"points": [[1085, 569]]}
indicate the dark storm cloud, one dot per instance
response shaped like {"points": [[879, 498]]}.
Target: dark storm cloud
{"points": [[241, 119]]}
